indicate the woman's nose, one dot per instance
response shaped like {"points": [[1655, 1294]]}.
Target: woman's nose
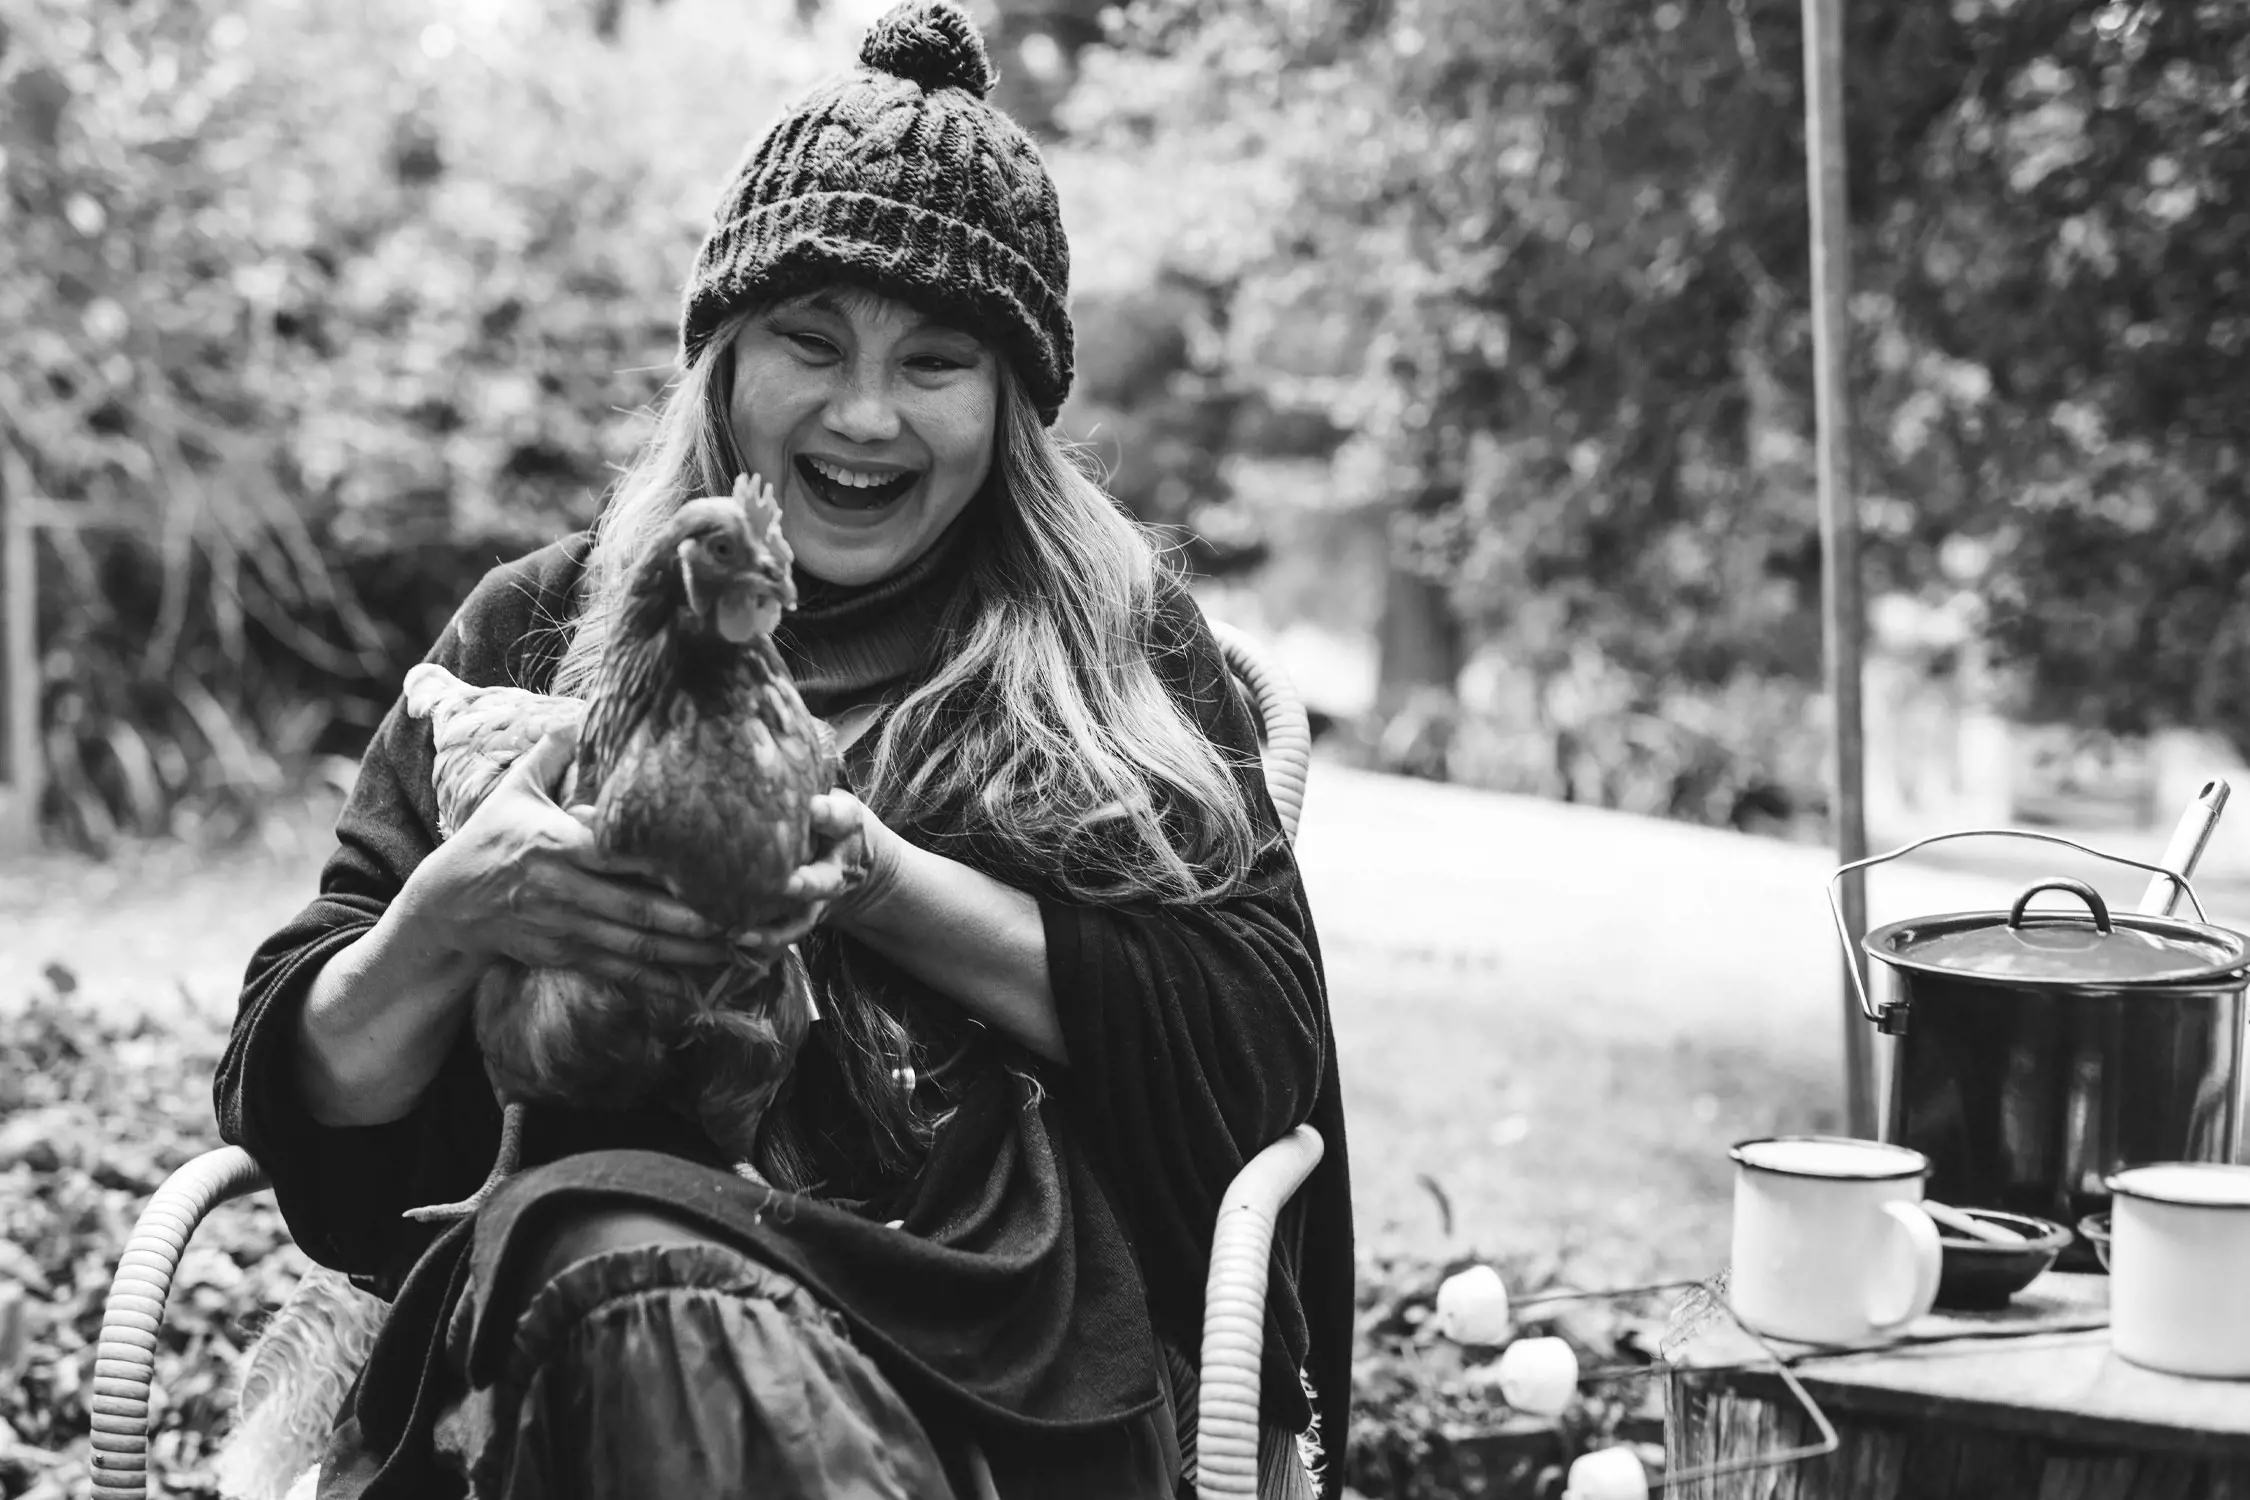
{"points": [[860, 409]]}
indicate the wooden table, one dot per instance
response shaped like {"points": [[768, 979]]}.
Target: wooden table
{"points": [[2048, 1414]]}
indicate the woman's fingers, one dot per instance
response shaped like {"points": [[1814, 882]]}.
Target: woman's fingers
{"points": [[845, 873], [636, 907], [606, 911], [593, 857], [823, 882], [835, 815], [768, 939], [641, 945], [630, 976]]}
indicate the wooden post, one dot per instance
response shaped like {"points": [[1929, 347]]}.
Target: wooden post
{"points": [[20, 756], [1843, 614]]}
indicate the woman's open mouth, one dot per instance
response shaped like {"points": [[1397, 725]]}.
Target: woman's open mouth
{"points": [[849, 488]]}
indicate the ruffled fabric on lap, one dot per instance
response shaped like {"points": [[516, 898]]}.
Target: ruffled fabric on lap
{"points": [[686, 1370]]}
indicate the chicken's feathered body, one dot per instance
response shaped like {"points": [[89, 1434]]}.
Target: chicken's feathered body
{"points": [[478, 733], [726, 842], [699, 758]]}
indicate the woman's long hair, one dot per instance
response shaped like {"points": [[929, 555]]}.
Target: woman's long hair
{"points": [[1041, 746]]}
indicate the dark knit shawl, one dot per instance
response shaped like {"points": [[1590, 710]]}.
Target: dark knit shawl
{"points": [[846, 644], [1048, 1236]]}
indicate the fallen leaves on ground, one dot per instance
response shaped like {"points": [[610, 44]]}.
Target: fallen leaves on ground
{"points": [[93, 1115], [1428, 1420]]}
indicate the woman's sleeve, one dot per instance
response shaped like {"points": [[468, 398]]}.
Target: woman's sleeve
{"points": [[1196, 1035], [342, 1189]]}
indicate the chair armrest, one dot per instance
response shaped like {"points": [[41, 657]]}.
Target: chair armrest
{"points": [[1287, 731], [1234, 1314], [133, 1318]]}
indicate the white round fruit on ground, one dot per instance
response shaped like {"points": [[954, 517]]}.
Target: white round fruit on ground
{"points": [[1472, 1307], [1607, 1474], [1539, 1376]]}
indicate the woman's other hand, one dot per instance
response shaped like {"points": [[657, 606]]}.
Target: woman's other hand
{"points": [[953, 927], [524, 879], [854, 865]]}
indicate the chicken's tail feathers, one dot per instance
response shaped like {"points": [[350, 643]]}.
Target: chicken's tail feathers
{"points": [[427, 685], [291, 1384], [564, 1034], [741, 1054]]}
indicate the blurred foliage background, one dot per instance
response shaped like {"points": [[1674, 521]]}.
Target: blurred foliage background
{"points": [[1473, 329]]}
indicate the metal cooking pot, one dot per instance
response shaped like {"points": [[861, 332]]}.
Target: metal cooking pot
{"points": [[2039, 1052]]}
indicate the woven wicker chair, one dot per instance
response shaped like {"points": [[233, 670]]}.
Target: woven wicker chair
{"points": [[1234, 1303]]}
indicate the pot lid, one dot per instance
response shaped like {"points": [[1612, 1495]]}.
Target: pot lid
{"points": [[2064, 947], [2200, 1184]]}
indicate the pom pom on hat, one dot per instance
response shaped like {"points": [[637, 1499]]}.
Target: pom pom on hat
{"points": [[930, 43], [899, 175]]}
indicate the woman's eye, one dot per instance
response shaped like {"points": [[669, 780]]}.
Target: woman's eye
{"points": [[812, 343], [935, 363]]}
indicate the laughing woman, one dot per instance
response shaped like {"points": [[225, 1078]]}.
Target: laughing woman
{"points": [[1069, 982]]}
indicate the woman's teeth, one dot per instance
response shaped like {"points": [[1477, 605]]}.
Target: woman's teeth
{"points": [[853, 488], [853, 477]]}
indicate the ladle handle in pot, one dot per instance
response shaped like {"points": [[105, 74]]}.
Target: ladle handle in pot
{"points": [[1881, 1016], [2189, 840]]}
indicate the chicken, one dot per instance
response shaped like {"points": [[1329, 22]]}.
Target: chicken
{"points": [[700, 760]]}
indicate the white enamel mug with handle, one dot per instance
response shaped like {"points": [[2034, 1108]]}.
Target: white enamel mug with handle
{"points": [[2179, 1268], [1831, 1245]]}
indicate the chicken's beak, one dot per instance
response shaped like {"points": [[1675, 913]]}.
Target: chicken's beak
{"points": [[739, 610], [745, 614]]}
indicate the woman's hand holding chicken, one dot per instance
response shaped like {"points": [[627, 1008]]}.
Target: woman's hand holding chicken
{"points": [[525, 879], [972, 938]]}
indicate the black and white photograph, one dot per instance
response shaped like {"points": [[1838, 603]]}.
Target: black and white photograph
{"points": [[1124, 749]]}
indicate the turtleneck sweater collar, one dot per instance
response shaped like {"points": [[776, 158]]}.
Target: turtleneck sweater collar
{"points": [[845, 643]]}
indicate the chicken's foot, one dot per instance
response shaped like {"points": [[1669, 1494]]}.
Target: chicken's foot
{"points": [[504, 1164]]}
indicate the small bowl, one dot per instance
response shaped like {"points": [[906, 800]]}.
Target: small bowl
{"points": [[1979, 1276], [2094, 1229]]}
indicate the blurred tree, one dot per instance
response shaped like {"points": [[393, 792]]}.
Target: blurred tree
{"points": [[1036, 45], [2081, 252], [1573, 238], [1159, 410], [1542, 233], [332, 309]]}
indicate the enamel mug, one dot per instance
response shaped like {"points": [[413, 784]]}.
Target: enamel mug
{"points": [[2179, 1268], [1831, 1245]]}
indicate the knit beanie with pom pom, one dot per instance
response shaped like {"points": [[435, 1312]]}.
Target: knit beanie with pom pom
{"points": [[900, 176]]}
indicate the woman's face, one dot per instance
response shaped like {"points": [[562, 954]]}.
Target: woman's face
{"points": [[873, 423]]}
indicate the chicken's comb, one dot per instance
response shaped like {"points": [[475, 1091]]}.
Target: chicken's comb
{"points": [[763, 508], [758, 502]]}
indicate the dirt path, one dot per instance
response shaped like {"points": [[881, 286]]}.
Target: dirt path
{"points": [[1558, 1016], [159, 928], [1563, 1016]]}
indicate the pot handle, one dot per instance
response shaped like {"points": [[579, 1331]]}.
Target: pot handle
{"points": [[1890, 1018], [2078, 888]]}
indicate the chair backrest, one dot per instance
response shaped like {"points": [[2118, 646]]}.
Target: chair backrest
{"points": [[1287, 733]]}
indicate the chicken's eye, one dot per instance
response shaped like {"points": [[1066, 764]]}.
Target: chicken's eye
{"points": [[722, 549]]}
